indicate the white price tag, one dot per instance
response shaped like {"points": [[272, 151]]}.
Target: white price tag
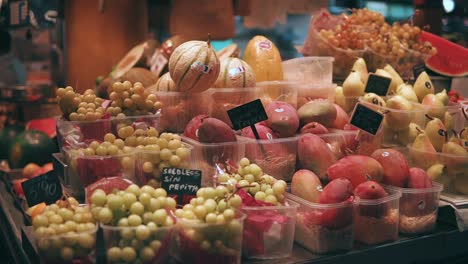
{"points": [[158, 62]]}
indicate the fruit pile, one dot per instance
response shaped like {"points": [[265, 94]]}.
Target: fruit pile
{"points": [[137, 222], [64, 231]]}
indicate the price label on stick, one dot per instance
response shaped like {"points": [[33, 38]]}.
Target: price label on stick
{"points": [[181, 182], [378, 84], [366, 119], [418, 69], [247, 114], [43, 188]]}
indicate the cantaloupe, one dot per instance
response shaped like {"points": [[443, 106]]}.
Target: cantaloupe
{"points": [[194, 66], [264, 58], [235, 73], [164, 84]]}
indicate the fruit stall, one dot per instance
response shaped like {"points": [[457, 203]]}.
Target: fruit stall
{"points": [[206, 146]]}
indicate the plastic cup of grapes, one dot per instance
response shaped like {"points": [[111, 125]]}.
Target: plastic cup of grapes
{"points": [[324, 228], [65, 232]]}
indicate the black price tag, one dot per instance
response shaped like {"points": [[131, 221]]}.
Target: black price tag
{"points": [[366, 119], [43, 188], [378, 84], [247, 114], [418, 69], [181, 182]]}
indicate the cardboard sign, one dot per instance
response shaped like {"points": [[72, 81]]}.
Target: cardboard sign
{"points": [[366, 119], [418, 69], [247, 114], [44, 188], [378, 84], [181, 182]]}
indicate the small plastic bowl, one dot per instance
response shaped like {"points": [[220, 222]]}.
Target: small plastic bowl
{"points": [[269, 231], [67, 248], [311, 91], [72, 134], [152, 247], [209, 243], [453, 109], [406, 63], [376, 221], [418, 209], [376, 60], [324, 228], [149, 164], [212, 157], [309, 70], [277, 157]]}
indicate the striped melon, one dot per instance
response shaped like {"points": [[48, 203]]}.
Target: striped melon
{"points": [[235, 73], [164, 84], [194, 66]]}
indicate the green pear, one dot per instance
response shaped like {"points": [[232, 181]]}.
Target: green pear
{"points": [[422, 152], [373, 98], [409, 135], [406, 90], [339, 96], [443, 97], [393, 83], [438, 173], [437, 133], [448, 121], [396, 77], [353, 86], [455, 157], [434, 106], [399, 118], [361, 67], [423, 86]]}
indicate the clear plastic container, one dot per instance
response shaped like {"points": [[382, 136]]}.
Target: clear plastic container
{"points": [[311, 91], [276, 157], [89, 169], [324, 228], [211, 158], [179, 108], [406, 63], [209, 243], [418, 209], [376, 60], [453, 109], [376, 221], [67, 248], [131, 244], [269, 231], [75, 134], [149, 165], [309, 70]]}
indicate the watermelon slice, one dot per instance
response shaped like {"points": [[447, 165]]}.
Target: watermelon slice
{"points": [[451, 59]]}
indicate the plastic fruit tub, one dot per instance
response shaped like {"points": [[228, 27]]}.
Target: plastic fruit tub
{"points": [[376, 60], [269, 231], [210, 158], [67, 248], [453, 109], [376, 221], [311, 91], [73, 134], [277, 157], [418, 209], [209, 243], [123, 244], [179, 108], [324, 228], [309, 70], [406, 63], [149, 164]]}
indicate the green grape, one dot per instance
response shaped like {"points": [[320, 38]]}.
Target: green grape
{"points": [[105, 216], [210, 218], [98, 197], [55, 219], [171, 203], [210, 205], [209, 193], [142, 232], [114, 254], [153, 205], [235, 201], [128, 199], [228, 214], [128, 254], [200, 211], [159, 192], [159, 216], [147, 254], [260, 196], [271, 199], [134, 189], [134, 220], [123, 222], [115, 202], [40, 220], [67, 253]]}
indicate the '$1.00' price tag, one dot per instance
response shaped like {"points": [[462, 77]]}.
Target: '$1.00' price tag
{"points": [[43, 188]]}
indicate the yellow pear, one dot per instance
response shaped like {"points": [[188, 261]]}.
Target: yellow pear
{"points": [[339, 97], [438, 173], [393, 83], [434, 106], [399, 118], [423, 86], [352, 85], [443, 97], [448, 121], [396, 77], [373, 98], [409, 135], [406, 90], [361, 67], [422, 152]]}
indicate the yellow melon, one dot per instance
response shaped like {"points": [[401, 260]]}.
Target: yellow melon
{"points": [[194, 66], [264, 58], [235, 73], [164, 84]]}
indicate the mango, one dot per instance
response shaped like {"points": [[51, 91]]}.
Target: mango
{"points": [[395, 166], [213, 130], [264, 132], [321, 111], [342, 118], [371, 190], [336, 191], [356, 168], [306, 185], [314, 128], [282, 118], [418, 179], [314, 154], [191, 129]]}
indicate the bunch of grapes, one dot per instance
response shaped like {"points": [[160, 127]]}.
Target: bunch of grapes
{"points": [[144, 217], [80, 107], [65, 231], [409, 37], [128, 100], [251, 178]]}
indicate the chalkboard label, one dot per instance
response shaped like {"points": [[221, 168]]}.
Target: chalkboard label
{"points": [[366, 119], [247, 114], [418, 69], [43, 188], [181, 182], [378, 84]]}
